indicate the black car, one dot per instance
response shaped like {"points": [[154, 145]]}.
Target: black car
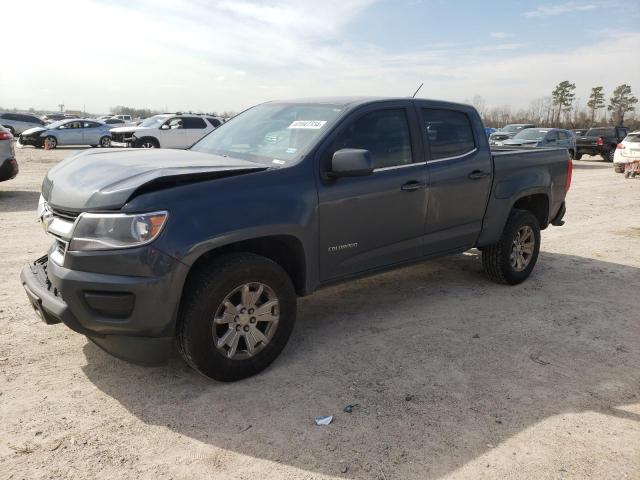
{"points": [[600, 141]]}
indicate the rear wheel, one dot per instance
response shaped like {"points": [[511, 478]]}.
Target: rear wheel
{"points": [[618, 167], [608, 155], [577, 156], [105, 142], [513, 257], [236, 317]]}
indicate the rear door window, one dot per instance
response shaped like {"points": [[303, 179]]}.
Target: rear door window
{"points": [[193, 122], [449, 133]]}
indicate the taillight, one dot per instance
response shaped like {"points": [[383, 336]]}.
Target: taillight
{"points": [[600, 141], [567, 185], [620, 146], [5, 136]]}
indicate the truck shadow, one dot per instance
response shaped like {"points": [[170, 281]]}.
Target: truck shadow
{"points": [[441, 363]]}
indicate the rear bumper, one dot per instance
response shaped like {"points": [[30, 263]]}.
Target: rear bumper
{"points": [[122, 315], [558, 221]]}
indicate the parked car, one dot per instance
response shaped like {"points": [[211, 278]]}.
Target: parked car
{"points": [[286, 198], [53, 117], [627, 153], [118, 122], [507, 132], [544, 137], [166, 131], [600, 141], [102, 118], [8, 164], [124, 118], [17, 123], [580, 132], [68, 132], [489, 131]]}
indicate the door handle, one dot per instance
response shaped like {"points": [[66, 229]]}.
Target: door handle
{"points": [[412, 186], [478, 174]]}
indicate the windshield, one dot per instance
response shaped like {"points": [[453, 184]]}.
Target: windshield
{"points": [[271, 133], [153, 122], [531, 134]]}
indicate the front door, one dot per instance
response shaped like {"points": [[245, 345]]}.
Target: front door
{"points": [[376, 220], [460, 173], [70, 133]]}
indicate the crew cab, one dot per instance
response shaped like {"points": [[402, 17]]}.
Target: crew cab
{"points": [[166, 131], [210, 247], [600, 141]]}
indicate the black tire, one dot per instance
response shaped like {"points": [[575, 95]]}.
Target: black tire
{"points": [[572, 154], [577, 156], [608, 155], [204, 293], [618, 167], [496, 259], [53, 142], [105, 142], [147, 142]]}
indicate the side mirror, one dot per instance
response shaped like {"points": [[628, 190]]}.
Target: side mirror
{"points": [[351, 162]]}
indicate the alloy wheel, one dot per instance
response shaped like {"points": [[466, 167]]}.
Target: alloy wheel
{"points": [[522, 248], [246, 321]]}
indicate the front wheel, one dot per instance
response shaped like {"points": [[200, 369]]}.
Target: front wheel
{"points": [[50, 143], [105, 142], [577, 156], [512, 258], [618, 167], [236, 317]]}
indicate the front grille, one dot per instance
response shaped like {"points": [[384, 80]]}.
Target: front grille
{"points": [[66, 214], [120, 137]]}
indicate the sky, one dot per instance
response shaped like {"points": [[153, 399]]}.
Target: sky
{"points": [[215, 55]]}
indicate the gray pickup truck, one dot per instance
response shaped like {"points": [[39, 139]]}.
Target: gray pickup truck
{"points": [[210, 247]]}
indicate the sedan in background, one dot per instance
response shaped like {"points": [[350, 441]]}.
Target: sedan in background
{"points": [[8, 164], [507, 132], [544, 137], [69, 132]]}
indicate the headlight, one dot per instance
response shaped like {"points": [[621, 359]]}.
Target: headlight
{"points": [[97, 231]]}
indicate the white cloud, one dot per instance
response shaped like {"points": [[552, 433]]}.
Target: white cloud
{"points": [[500, 35], [559, 9], [223, 55]]}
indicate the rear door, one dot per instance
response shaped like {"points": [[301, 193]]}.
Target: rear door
{"points": [[195, 128], [376, 220], [460, 172], [91, 133]]}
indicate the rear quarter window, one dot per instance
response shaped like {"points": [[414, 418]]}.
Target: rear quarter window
{"points": [[193, 122], [601, 132], [633, 137]]}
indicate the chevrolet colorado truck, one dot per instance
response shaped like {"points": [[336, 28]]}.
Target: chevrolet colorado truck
{"points": [[209, 248]]}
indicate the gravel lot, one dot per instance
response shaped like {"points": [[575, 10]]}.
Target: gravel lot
{"points": [[452, 376]]}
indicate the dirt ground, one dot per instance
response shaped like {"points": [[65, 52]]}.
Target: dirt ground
{"points": [[452, 376]]}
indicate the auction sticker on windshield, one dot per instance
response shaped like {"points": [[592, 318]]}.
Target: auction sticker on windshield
{"points": [[308, 124]]}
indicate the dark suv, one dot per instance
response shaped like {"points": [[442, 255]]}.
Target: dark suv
{"points": [[600, 141]]}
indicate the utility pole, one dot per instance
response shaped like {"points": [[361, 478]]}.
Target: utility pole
{"points": [[61, 105]]}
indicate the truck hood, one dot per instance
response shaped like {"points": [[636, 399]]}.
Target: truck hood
{"points": [[107, 179]]}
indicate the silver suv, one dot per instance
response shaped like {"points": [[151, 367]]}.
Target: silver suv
{"points": [[17, 123]]}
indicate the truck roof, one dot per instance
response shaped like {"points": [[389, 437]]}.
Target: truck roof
{"points": [[356, 101]]}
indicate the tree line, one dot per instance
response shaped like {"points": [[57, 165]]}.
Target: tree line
{"points": [[562, 109], [145, 112]]}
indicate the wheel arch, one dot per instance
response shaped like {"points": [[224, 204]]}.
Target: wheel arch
{"points": [[286, 250]]}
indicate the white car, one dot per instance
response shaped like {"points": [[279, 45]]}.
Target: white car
{"points": [[627, 152], [169, 130]]}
